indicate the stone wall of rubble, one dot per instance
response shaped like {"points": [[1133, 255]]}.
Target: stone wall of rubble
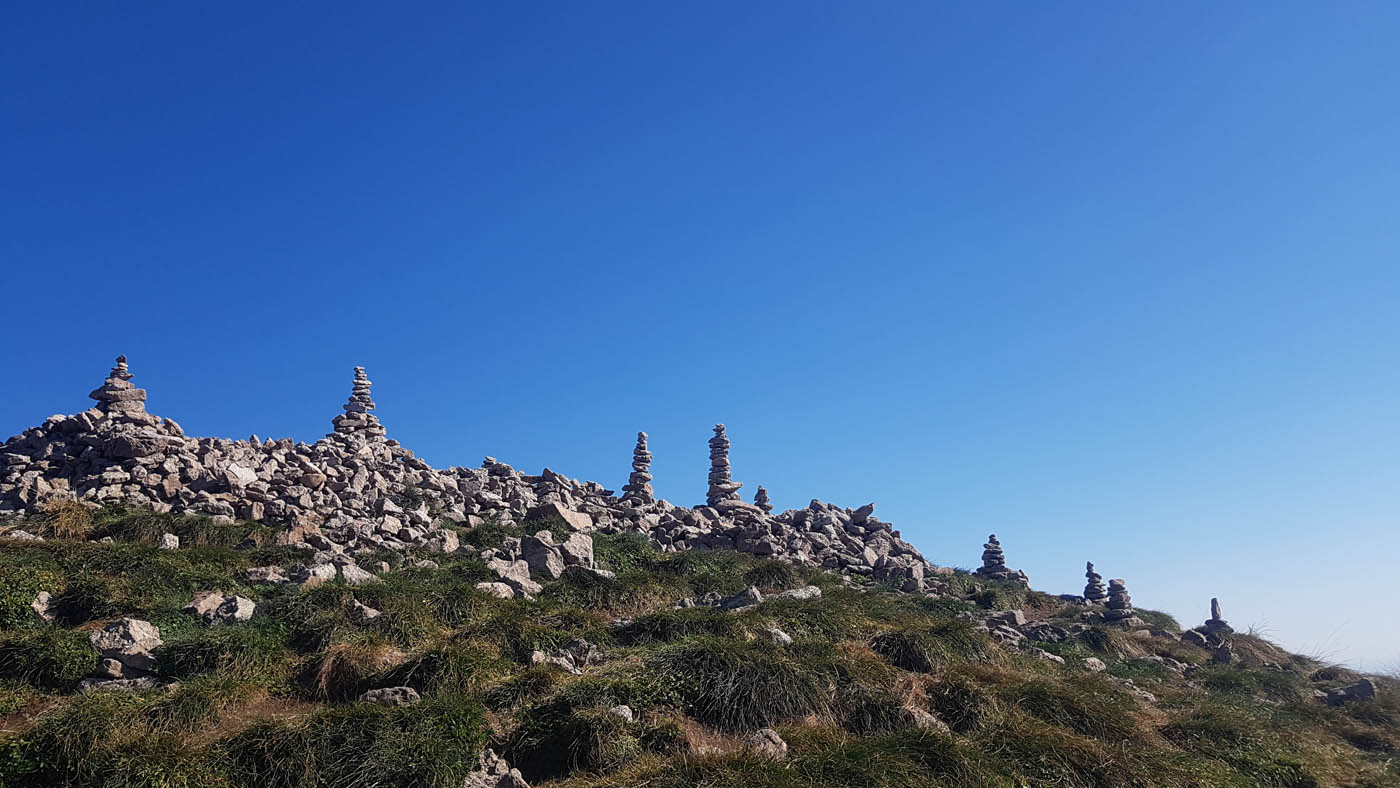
{"points": [[357, 488]]}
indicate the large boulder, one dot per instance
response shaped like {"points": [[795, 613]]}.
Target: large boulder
{"points": [[516, 574], [543, 555], [578, 550]]}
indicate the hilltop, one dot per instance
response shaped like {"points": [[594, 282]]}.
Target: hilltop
{"points": [[180, 611]]}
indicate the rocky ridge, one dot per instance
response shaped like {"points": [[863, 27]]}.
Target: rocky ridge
{"points": [[358, 489]]}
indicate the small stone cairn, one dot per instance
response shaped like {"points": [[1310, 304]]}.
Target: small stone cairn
{"points": [[117, 396], [1214, 633], [994, 564], [762, 501], [1120, 605], [1094, 591], [722, 486], [357, 419], [638, 487]]}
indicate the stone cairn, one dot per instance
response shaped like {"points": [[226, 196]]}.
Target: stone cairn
{"points": [[357, 419], [638, 486], [1120, 604], [994, 564], [722, 487], [1094, 591], [117, 396], [1214, 633], [762, 501]]}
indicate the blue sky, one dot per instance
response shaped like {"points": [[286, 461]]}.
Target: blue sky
{"points": [[1118, 283]]}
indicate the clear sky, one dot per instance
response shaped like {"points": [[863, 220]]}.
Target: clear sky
{"points": [[1116, 281]]}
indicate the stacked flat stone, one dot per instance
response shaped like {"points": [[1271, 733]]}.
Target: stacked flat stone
{"points": [[357, 419], [117, 397], [1094, 591], [762, 501], [638, 486], [994, 564], [1120, 604], [722, 487]]}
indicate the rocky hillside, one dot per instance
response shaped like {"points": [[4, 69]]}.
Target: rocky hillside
{"points": [[181, 611]]}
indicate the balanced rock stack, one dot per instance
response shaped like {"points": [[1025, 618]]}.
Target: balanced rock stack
{"points": [[117, 397], [357, 419], [1120, 604], [638, 486], [762, 501], [994, 564], [1214, 633], [722, 487], [1094, 592]]}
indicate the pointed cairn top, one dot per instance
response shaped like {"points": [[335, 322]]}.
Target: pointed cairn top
{"points": [[116, 395], [762, 501], [1216, 625], [1094, 592], [357, 419], [722, 487], [638, 487]]}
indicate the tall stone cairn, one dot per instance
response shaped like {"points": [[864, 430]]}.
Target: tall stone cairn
{"points": [[1120, 604], [357, 419], [762, 501], [994, 564], [638, 486], [116, 396], [722, 487], [1094, 592]]}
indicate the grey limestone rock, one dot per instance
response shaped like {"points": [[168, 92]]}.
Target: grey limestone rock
{"points": [[392, 696], [543, 556], [766, 743], [40, 606], [129, 641], [500, 590]]}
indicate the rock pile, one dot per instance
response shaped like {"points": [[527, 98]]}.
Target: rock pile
{"points": [[994, 564], [356, 489], [1094, 591], [722, 486], [1120, 605], [126, 657], [638, 487], [492, 771], [357, 419]]}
